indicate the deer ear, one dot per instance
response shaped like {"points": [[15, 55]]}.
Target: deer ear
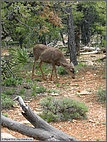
{"points": [[64, 64], [72, 64]]}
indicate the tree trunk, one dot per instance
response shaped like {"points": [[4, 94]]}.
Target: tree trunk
{"points": [[71, 36], [61, 33], [77, 40], [42, 131]]}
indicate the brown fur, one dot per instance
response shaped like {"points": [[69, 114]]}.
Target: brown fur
{"points": [[50, 55]]}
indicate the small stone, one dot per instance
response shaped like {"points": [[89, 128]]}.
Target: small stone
{"points": [[84, 93], [54, 94], [27, 101], [90, 120], [20, 114]]}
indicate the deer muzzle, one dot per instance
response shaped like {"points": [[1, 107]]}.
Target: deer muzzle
{"points": [[73, 74]]}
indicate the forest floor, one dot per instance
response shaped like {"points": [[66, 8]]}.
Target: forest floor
{"points": [[88, 79]]}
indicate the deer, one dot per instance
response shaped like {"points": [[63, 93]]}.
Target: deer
{"points": [[52, 56]]}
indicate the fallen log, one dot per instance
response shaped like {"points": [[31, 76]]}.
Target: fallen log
{"points": [[89, 49], [41, 130], [86, 48], [93, 52]]}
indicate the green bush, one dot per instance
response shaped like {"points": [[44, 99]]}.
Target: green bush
{"points": [[9, 92], [40, 89], [34, 87], [12, 81], [101, 94], [33, 93], [9, 82], [103, 77], [7, 102], [19, 54], [62, 109], [20, 80], [22, 91], [28, 80]]}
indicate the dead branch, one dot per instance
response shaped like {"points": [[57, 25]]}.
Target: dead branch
{"points": [[93, 52], [41, 131]]}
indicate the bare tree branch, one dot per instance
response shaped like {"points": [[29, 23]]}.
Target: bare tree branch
{"points": [[42, 130]]}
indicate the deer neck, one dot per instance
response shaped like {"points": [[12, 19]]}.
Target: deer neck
{"points": [[63, 62]]}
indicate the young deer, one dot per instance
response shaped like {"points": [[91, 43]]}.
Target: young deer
{"points": [[53, 56]]}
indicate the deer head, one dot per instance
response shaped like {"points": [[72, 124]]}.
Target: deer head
{"points": [[69, 68]]}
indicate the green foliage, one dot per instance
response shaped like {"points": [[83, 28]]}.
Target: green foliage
{"points": [[4, 114], [7, 102], [9, 92], [42, 22], [10, 82], [103, 77], [33, 24], [58, 85], [78, 95], [28, 80], [101, 94], [98, 60], [62, 71], [22, 91], [34, 87], [20, 80], [19, 55], [33, 93], [40, 89], [62, 109], [38, 79], [51, 91]]}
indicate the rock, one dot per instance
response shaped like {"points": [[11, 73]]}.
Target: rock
{"points": [[84, 93], [54, 94], [6, 135], [27, 101], [92, 121], [20, 114]]}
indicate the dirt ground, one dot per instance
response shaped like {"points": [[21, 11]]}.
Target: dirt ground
{"points": [[88, 79]]}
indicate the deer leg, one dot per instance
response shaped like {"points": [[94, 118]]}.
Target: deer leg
{"points": [[54, 68], [33, 69], [40, 64], [55, 71]]}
